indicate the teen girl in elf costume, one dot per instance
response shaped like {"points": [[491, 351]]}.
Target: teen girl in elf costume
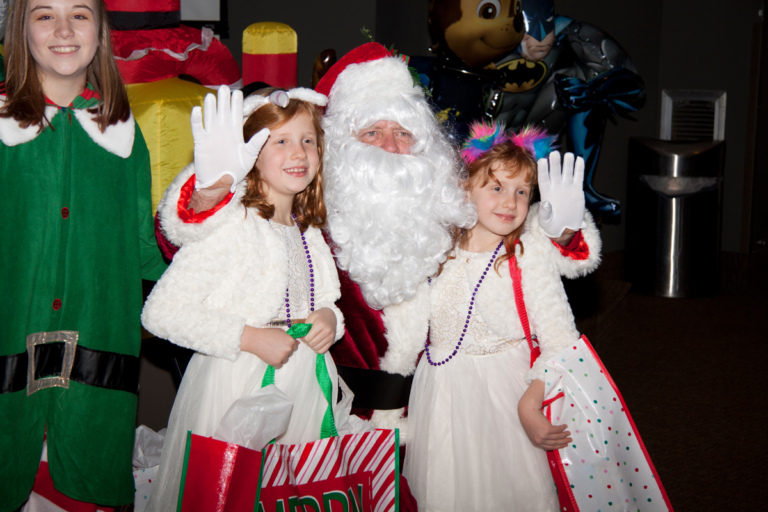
{"points": [[470, 448], [78, 239]]}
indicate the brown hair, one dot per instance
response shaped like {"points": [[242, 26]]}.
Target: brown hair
{"points": [[517, 160], [25, 99], [308, 205]]}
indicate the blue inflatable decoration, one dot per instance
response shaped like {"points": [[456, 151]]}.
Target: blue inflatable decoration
{"points": [[566, 76]]}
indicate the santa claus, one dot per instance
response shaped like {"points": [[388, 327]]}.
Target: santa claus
{"points": [[392, 193]]}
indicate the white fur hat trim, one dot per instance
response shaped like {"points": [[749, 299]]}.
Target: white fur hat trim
{"points": [[281, 98]]}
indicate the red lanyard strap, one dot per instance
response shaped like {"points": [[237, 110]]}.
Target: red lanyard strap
{"points": [[514, 271]]}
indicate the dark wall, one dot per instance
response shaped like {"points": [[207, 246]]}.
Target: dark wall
{"points": [[318, 25], [680, 44], [636, 26], [715, 54], [696, 44], [334, 24]]}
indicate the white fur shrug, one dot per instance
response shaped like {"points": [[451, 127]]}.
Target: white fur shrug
{"points": [[231, 271], [547, 305]]}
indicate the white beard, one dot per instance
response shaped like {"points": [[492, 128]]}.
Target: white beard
{"points": [[390, 216]]}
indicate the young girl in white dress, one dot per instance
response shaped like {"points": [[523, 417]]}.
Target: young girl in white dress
{"points": [[256, 259], [477, 434]]}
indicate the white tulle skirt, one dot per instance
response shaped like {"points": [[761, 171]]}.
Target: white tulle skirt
{"points": [[466, 448], [210, 386]]}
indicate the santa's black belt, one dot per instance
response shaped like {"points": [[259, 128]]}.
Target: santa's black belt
{"points": [[376, 389], [57, 359]]}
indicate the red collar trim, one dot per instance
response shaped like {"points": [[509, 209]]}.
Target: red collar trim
{"points": [[86, 96]]}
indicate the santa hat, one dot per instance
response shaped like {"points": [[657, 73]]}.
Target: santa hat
{"points": [[369, 84]]}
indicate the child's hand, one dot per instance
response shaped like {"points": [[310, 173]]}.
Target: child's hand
{"points": [[321, 336], [562, 194], [219, 146], [271, 345], [539, 430]]}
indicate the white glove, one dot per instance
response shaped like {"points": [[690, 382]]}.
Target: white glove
{"points": [[219, 145], [562, 194]]}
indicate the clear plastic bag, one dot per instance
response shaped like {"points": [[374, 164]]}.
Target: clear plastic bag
{"points": [[256, 420]]}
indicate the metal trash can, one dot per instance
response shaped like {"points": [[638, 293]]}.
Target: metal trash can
{"points": [[673, 214]]}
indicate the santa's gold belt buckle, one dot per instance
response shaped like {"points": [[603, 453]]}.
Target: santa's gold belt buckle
{"points": [[62, 380]]}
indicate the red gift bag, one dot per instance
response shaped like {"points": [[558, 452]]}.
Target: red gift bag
{"points": [[218, 476], [355, 472]]}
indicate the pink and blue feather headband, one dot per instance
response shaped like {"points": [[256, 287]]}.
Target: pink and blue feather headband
{"points": [[483, 137]]}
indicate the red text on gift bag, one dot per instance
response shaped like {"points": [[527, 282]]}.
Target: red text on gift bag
{"points": [[346, 494], [352, 473]]}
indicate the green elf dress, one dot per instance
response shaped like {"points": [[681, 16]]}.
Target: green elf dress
{"points": [[76, 242]]}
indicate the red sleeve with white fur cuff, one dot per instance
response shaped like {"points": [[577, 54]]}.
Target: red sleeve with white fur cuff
{"points": [[576, 250], [189, 215]]}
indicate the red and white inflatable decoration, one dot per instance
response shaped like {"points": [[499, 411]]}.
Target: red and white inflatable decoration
{"points": [[150, 43]]}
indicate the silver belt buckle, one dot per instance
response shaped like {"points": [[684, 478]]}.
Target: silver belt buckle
{"points": [[39, 338]]}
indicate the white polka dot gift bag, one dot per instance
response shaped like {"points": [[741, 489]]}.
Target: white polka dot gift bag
{"points": [[606, 467]]}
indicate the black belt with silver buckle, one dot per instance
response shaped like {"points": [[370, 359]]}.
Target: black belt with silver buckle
{"points": [[57, 359]]}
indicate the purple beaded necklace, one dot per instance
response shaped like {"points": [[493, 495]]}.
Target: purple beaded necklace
{"points": [[469, 313], [311, 280]]}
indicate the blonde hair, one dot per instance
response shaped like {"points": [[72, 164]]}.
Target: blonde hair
{"points": [[25, 99], [308, 205]]}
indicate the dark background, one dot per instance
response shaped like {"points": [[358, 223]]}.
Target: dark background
{"points": [[675, 44]]}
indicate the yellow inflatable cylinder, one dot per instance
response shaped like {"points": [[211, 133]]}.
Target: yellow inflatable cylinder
{"points": [[162, 109], [269, 54]]}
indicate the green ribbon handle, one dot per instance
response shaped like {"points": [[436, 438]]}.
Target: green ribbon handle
{"points": [[180, 501], [328, 426], [269, 376]]}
